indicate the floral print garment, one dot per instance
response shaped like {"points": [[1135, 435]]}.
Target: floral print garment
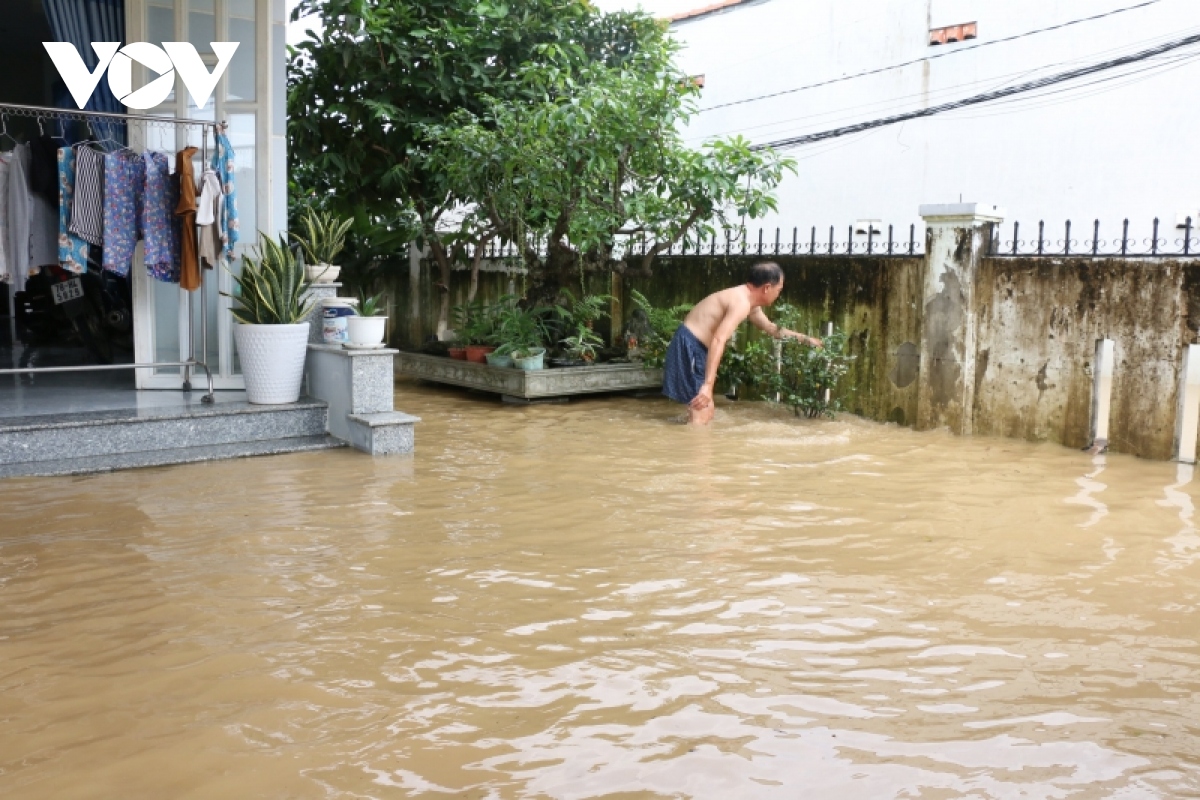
{"points": [[159, 225], [124, 184], [72, 249], [224, 165]]}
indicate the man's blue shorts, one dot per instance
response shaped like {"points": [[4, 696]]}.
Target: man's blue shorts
{"points": [[683, 373]]}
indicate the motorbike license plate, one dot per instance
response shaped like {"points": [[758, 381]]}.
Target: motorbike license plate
{"points": [[67, 290]]}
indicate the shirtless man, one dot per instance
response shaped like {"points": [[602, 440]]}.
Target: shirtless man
{"points": [[696, 349]]}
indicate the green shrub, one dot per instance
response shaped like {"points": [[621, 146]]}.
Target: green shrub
{"points": [[799, 375], [663, 323]]}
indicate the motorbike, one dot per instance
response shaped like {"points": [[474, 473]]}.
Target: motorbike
{"points": [[93, 307]]}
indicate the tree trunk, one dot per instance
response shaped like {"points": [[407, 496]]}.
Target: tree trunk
{"points": [[475, 262], [443, 260]]}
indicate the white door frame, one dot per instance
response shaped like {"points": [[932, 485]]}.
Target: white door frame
{"points": [[144, 314]]}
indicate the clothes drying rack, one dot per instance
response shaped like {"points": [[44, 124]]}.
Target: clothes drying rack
{"points": [[43, 114]]}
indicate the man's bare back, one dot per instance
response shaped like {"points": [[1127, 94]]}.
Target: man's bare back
{"points": [[714, 319], [706, 316]]}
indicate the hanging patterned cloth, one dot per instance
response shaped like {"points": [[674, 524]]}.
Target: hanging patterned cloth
{"points": [[224, 165], [87, 209], [72, 249], [124, 182], [159, 226]]}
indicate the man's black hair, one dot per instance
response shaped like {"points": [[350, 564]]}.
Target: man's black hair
{"points": [[764, 272]]}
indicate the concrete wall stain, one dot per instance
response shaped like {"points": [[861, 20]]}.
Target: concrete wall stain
{"points": [[944, 317], [906, 365]]}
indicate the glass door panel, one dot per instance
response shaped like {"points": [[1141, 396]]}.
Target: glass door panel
{"points": [[163, 310]]}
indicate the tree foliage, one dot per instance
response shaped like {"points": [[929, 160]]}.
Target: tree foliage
{"points": [[599, 154], [362, 91], [471, 121]]}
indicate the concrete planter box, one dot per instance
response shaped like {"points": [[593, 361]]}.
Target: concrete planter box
{"points": [[529, 384]]}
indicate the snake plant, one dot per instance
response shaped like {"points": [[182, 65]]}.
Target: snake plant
{"points": [[325, 236], [272, 291]]}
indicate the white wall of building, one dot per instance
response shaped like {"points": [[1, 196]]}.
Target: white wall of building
{"points": [[1128, 147]]}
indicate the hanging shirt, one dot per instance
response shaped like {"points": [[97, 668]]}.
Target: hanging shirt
{"points": [[5, 161], [159, 226], [185, 211], [124, 182], [18, 216], [208, 215], [87, 210], [72, 250], [43, 169], [225, 166], [43, 232]]}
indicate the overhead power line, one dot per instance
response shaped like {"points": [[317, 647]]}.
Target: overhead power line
{"points": [[928, 58], [986, 97]]}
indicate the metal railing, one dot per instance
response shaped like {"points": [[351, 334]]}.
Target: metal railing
{"points": [[870, 241], [42, 114], [1156, 246]]}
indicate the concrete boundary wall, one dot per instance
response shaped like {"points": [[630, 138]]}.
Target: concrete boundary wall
{"points": [[1038, 321], [959, 339]]}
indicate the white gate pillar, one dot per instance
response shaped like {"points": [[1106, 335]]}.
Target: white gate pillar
{"points": [[957, 237]]}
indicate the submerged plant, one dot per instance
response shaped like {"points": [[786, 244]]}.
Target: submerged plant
{"points": [[273, 290], [789, 372]]}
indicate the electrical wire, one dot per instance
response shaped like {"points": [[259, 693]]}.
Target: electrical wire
{"points": [[1162, 64], [1115, 82], [899, 101], [930, 58], [986, 97]]}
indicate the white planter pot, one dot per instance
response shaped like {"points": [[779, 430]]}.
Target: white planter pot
{"points": [[322, 273], [272, 359], [366, 330]]}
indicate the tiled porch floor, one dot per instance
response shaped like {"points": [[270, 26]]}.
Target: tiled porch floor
{"points": [[61, 393]]}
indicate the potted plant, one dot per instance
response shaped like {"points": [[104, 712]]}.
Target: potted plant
{"points": [[460, 316], [522, 333], [474, 331], [272, 336], [325, 237], [580, 349], [367, 327], [576, 320]]}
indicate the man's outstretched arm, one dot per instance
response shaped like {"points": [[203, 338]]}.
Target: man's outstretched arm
{"points": [[759, 320]]}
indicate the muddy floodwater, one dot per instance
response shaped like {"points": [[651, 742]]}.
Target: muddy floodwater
{"points": [[591, 600]]}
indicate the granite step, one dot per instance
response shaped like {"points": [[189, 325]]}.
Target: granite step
{"points": [[160, 458], [105, 434]]}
